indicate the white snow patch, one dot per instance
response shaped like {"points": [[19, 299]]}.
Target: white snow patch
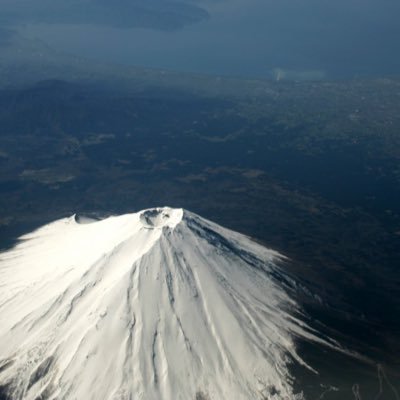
{"points": [[161, 217], [157, 305]]}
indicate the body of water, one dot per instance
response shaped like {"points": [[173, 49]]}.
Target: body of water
{"points": [[302, 39]]}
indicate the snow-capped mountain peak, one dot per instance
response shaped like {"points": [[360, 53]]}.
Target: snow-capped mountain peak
{"points": [[160, 304], [161, 217]]}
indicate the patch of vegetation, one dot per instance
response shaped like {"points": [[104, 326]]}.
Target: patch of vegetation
{"points": [[310, 169]]}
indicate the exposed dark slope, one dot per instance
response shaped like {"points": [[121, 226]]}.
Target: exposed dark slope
{"points": [[310, 169]]}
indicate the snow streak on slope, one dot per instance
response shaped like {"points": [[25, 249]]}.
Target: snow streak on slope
{"points": [[160, 304]]}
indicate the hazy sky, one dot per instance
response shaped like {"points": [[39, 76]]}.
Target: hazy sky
{"points": [[239, 37]]}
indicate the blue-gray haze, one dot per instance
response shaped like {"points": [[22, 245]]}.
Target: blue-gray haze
{"points": [[280, 38]]}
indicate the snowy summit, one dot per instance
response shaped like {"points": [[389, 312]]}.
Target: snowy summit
{"points": [[157, 305]]}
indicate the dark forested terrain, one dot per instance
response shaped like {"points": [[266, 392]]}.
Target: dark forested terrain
{"points": [[310, 169]]}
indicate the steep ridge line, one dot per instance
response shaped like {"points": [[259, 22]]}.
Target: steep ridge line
{"points": [[156, 305]]}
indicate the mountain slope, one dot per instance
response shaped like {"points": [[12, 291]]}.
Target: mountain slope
{"points": [[160, 304]]}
